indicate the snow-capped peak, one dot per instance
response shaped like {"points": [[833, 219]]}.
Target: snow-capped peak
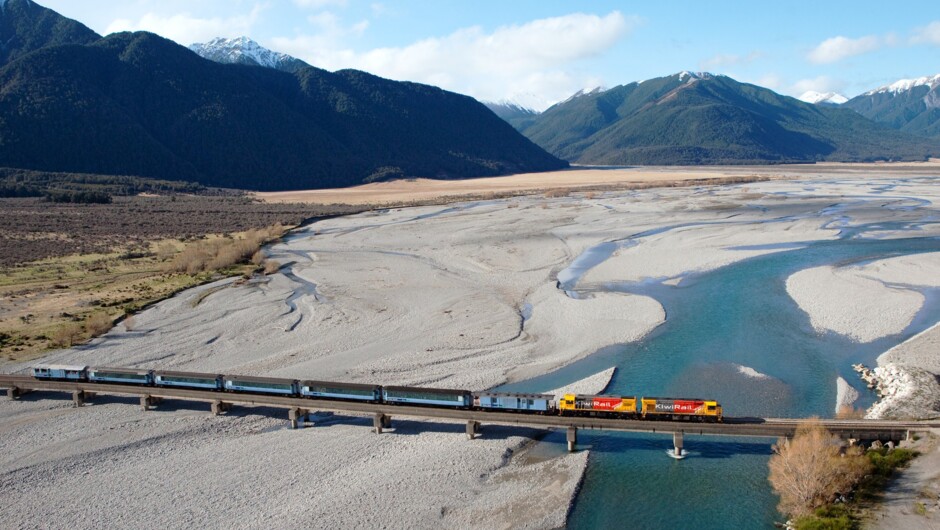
{"points": [[686, 75], [525, 102], [585, 92], [904, 85], [822, 98], [242, 50]]}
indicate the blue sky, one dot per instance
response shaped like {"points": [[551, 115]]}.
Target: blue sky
{"points": [[540, 51]]}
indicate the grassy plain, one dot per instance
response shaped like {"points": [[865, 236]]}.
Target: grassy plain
{"points": [[67, 272], [576, 179]]}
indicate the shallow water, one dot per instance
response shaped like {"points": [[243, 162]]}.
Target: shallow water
{"points": [[718, 322]]}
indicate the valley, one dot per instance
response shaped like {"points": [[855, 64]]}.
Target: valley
{"points": [[466, 295]]}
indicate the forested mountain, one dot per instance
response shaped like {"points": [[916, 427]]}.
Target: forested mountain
{"points": [[707, 119], [138, 104], [26, 26], [910, 105]]}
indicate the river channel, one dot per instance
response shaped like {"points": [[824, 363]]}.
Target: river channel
{"points": [[735, 335]]}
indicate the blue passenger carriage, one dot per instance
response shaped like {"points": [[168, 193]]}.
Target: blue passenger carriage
{"points": [[511, 401], [427, 396], [60, 371], [261, 385], [188, 380], [125, 376], [333, 390]]}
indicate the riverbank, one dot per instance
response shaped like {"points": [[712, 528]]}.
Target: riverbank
{"points": [[453, 296], [873, 300]]}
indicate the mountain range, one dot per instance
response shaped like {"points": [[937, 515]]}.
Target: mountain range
{"points": [[910, 105], [138, 104], [690, 118], [231, 113]]}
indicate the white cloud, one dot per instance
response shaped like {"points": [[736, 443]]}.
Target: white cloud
{"points": [[319, 4], [725, 60], [838, 48], [527, 58], [929, 34], [186, 29], [821, 84], [771, 81]]}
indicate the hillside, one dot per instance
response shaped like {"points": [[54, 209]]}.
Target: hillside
{"points": [[26, 26], [706, 119], [910, 105], [138, 104]]}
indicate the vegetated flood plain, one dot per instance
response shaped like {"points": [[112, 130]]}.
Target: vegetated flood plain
{"points": [[735, 335]]}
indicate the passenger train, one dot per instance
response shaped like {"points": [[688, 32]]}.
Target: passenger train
{"points": [[624, 407]]}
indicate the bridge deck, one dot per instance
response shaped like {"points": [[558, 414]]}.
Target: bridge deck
{"points": [[731, 426]]}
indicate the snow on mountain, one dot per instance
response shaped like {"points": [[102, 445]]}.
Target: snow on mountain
{"points": [[905, 85], [691, 76], [823, 98], [585, 92], [243, 50]]}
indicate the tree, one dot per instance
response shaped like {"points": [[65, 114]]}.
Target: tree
{"points": [[811, 469]]}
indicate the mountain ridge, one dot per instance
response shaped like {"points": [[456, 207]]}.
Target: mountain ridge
{"points": [[908, 105], [704, 118], [139, 104]]}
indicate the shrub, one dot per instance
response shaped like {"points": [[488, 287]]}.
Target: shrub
{"points": [[810, 470], [98, 324], [223, 253], [271, 266], [557, 192], [67, 335], [835, 517]]}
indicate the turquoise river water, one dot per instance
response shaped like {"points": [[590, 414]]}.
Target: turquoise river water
{"points": [[717, 322]]}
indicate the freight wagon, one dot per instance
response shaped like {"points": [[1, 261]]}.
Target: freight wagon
{"points": [[61, 371], [538, 403]]}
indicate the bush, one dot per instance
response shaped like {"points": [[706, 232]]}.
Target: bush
{"points": [[67, 335], [810, 470], [271, 266], [835, 517], [98, 324], [220, 254]]}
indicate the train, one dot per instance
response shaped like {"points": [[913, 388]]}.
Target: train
{"points": [[602, 406]]}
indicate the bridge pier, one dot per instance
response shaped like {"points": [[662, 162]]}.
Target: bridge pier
{"points": [[14, 392], [572, 438], [677, 442], [381, 421], [78, 398], [148, 401], [473, 429], [218, 407], [296, 415]]}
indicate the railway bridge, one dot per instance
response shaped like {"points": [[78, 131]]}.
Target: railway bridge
{"points": [[299, 408]]}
